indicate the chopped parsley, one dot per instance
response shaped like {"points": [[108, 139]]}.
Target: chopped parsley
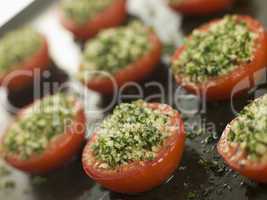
{"points": [[16, 46], [217, 51], [83, 10], [249, 130], [191, 195], [9, 184], [133, 132], [38, 180], [40, 123], [116, 48], [4, 171], [6, 182]]}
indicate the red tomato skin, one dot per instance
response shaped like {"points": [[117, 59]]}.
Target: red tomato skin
{"points": [[201, 7], [40, 60], [220, 88], [111, 17], [237, 160], [61, 150], [136, 71], [141, 176]]}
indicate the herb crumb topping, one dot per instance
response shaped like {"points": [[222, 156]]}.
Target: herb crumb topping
{"points": [[116, 48], [16, 46], [227, 44], [249, 130], [133, 132], [40, 123], [83, 10]]}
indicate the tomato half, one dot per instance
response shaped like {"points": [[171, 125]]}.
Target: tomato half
{"points": [[59, 151], [110, 17], [136, 71], [237, 159], [221, 87], [140, 176], [200, 7], [17, 79]]}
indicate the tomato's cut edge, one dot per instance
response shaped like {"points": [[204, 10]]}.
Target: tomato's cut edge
{"points": [[136, 71], [39, 60], [39, 164], [236, 159], [113, 16], [213, 90], [134, 170]]}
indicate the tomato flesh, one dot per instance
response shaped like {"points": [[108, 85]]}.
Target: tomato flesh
{"points": [[136, 71], [140, 176], [17, 79], [222, 87], [59, 151], [201, 7], [111, 17]]}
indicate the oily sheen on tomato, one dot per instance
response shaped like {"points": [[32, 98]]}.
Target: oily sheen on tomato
{"points": [[243, 142], [60, 149], [236, 82], [140, 176], [21, 74], [112, 16], [136, 71], [200, 7]]}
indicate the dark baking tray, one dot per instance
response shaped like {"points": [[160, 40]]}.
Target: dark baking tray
{"points": [[202, 174]]}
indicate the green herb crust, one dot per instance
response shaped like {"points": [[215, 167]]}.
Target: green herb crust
{"points": [[216, 52], [18, 45], [133, 132], [116, 48], [81, 11], [40, 123], [249, 130]]}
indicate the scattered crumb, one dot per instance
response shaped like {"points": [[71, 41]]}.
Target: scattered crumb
{"points": [[5, 181], [38, 180], [4, 171], [191, 195]]}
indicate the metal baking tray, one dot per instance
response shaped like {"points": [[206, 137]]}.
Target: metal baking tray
{"points": [[202, 174]]}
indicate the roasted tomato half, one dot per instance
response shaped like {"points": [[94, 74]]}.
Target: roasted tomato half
{"points": [[200, 7], [22, 52], [136, 149], [125, 54], [45, 135], [243, 144], [222, 59], [113, 15]]}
